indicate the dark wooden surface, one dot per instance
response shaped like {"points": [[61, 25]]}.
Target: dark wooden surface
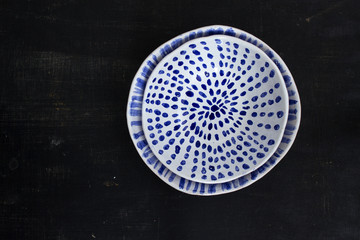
{"points": [[68, 166]]}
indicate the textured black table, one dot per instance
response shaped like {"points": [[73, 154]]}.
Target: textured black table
{"points": [[70, 171]]}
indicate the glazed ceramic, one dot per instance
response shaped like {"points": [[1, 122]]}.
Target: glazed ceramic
{"points": [[200, 186], [214, 109]]}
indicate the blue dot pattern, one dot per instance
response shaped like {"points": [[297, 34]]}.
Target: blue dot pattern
{"points": [[134, 115], [212, 109]]}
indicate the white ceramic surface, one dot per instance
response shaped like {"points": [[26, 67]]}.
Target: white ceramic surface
{"points": [[134, 114], [214, 109]]}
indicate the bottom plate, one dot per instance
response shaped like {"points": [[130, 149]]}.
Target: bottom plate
{"points": [[134, 115]]}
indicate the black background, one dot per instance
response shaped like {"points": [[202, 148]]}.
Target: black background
{"points": [[70, 171]]}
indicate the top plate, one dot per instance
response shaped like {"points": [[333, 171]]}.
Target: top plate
{"points": [[215, 109]]}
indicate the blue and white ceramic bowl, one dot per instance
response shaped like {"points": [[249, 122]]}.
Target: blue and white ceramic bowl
{"points": [[144, 142], [214, 109]]}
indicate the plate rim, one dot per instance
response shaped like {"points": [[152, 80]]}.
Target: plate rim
{"points": [[195, 188]]}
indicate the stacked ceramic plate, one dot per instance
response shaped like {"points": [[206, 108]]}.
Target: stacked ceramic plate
{"points": [[213, 110]]}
